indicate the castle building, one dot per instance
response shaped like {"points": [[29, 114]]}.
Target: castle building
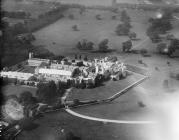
{"points": [[15, 74]]}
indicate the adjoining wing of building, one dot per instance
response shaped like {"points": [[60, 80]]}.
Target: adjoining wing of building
{"points": [[68, 70]]}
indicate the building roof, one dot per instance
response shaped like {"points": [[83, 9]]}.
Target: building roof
{"points": [[63, 67], [55, 72]]}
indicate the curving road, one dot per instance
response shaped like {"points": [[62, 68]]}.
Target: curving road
{"points": [[107, 120], [111, 99]]}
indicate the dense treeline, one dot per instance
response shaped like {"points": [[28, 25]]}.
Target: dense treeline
{"points": [[13, 50], [159, 26], [17, 14], [36, 24]]}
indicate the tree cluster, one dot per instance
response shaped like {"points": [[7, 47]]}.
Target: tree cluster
{"points": [[98, 17], [75, 28], [85, 45], [124, 27], [103, 45], [48, 92], [169, 49], [126, 46], [159, 26], [18, 14], [26, 98], [173, 46]]}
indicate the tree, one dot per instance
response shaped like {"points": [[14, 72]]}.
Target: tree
{"points": [[85, 45], [80, 57], [160, 25], [153, 35], [113, 17], [62, 86], [11, 97], [46, 92], [71, 136], [15, 81], [26, 98], [85, 58], [33, 78], [114, 10], [75, 28], [132, 35], [71, 16], [103, 45], [112, 58], [76, 101], [82, 10], [122, 29], [124, 17], [126, 46], [76, 57], [98, 17], [78, 45], [53, 88], [89, 45], [170, 37], [174, 44]]}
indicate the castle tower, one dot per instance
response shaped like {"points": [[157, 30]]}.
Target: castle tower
{"points": [[97, 69], [30, 55]]}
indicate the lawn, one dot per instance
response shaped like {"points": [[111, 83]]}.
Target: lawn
{"points": [[53, 126], [16, 90], [55, 36], [104, 91], [34, 9]]}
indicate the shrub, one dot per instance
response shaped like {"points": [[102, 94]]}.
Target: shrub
{"points": [[71, 16], [143, 51], [113, 17], [141, 104], [132, 35], [98, 17], [174, 75], [161, 47], [75, 28]]}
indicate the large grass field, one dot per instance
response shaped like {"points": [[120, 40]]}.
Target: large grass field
{"points": [[126, 107], [104, 91], [61, 39], [51, 127], [16, 90], [34, 9]]}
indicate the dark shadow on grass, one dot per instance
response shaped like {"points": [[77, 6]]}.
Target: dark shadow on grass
{"points": [[136, 39], [31, 126], [39, 116], [105, 51], [176, 56], [27, 124], [100, 85]]}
